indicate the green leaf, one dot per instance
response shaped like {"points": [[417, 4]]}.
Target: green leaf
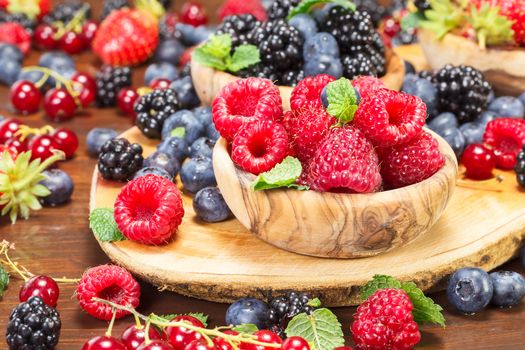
{"points": [[283, 174], [218, 46], [102, 223], [425, 310], [247, 328], [207, 60], [443, 17], [244, 57], [178, 132], [4, 280], [321, 329], [378, 282], [315, 302], [491, 27], [411, 20], [342, 100], [167, 318], [306, 6]]}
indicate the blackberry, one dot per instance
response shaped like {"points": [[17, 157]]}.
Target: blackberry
{"points": [[66, 11], [33, 325], [426, 74], [19, 18], [111, 5], [279, 9], [292, 77], [119, 159], [153, 109], [260, 70], [109, 81], [422, 5], [239, 28], [462, 90], [284, 308], [378, 10], [520, 168]]}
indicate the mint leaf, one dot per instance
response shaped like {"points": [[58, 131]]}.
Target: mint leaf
{"points": [[244, 57], [247, 328], [321, 329], [4, 280], [214, 52], [205, 59], [342, 100], [306, 6], [378, 282], [315, 302], [168, 317], [178, 132], [425, 310], [103, 225], [411, 20], [283, 174]]}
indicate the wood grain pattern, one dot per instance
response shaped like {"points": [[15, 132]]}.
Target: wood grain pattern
{"points": [[503, 68], [208, 82]]}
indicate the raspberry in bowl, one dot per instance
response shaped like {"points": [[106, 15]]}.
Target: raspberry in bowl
{"points": [[376, 178]]}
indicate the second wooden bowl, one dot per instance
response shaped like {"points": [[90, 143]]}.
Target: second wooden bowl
{"points": [[336, 225], [208, 81]]}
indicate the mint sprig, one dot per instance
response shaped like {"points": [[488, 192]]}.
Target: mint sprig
{"points": [[4, 280], [321, 329], [306, 6], [168, 317], [284, 174], [103, 225], [342, 100], [425, 310], [216, 53], [248, 328]]}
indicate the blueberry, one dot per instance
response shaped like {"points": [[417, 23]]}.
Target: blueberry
{"points": [[473, 132], [248, 310], [209, 205], [507, 106], [324, 64], [522, 256], [193, 35], [169, 51], [97, 137], [470, 289], [164, 161], [186, 92], [162, 70], [320, 15], [442, 122], [183, 118], [153, 170], [486, 117], [211, 132], [60, 184], [12, 52], [423, 89], [203, 114], [522, 98], [324, 97], [409, 67], [491, 96], [174, 146], [509, 288], [59, 62], [304, 24], [455, 139], [203, 147], [197, 173], [320, 44], [2, 118], [9, 70]]}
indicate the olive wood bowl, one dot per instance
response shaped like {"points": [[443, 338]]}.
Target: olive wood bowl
{"points": [[336, 225]]}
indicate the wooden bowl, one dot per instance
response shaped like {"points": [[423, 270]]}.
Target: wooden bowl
{"points": [[336, 225], [504, 68], [208, 81]]}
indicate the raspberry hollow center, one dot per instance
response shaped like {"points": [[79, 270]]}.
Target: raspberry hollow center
{"points": [[145, 209], [257, 146], [395, 113], [112, 293]]}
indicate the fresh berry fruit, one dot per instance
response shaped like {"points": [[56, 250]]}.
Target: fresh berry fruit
{"points": [[11, 151], [366, 85], [14, 33], [154, 171], [202, 147], [193, 13], [259, 146], [264, 336], [11, 52], [507, 106], [506, 137], [60, 62], [167, 26], [209, 205], [514, 11], [119, 159], [239, 28], [519, 168], [411, 162], [9, 15], [200, 344], [109, 82], [248, 310], [184, 118], [279, 9], [111, 5], [66, 140], [25, 97], [473, 132], [156, 345], [197, 173], [60, 184], [42, 147], [33, 325], [442, 122], [211, 132], [175, 146], [163, 161], [509, 288], [162, 70], [87, 87], [185, 90], [149, 210], [160, 83], [470, 289], [231, 8], [422, 88], [169, 51], [126, 37], [66, 11], [320, 44], [284, 308], [108, 282], [179, 337], [59, 105], [96, 138], [8, 128], [43, 287], [345, 162], [104, 342], [390, 118], [261, 100], [455, 139], [222, 343], [133, 336], [9, 70], [72, 43], [308, 92], [153, 109], [19, 146], [89, 30], [479, 162], [295, 343], [409, 67], [305, 24], [126, 99]]}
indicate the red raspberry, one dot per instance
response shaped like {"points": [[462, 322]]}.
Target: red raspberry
{"points": [[236, 7], [506, 136], [306, 128], [367, 85], [15, 34], [390, 118], [149, 209], [245, 100], [385, 321], [411, 162], [108, 282], [345, 162], [308, 92], [259, 146]]}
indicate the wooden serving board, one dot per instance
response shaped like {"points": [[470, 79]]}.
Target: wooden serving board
{"points": [[223, 261]]}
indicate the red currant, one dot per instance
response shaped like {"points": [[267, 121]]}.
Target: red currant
{"points": [[25, 96], [186, 57], [14, 142], [295, 343], [72, 43], [44, 37], [42, 147], [179, 337], [391, 27], [343, 348], [67, 141], [12, 152], [104, 343], [8, 128], [86, 86], [41, 286], [194, 14], [89, 29], [223, 344], [156, 345], [126, 99], [160, 83], [264, 336], [59, 104], [479, 162], [200, 345], [133, 337]]}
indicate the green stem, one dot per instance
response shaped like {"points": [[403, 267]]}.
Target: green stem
{"points": [[482, 39], [111, 323], [79, 17]]}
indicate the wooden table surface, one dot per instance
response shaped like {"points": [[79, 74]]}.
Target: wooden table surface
{"points": [[58, 242]]}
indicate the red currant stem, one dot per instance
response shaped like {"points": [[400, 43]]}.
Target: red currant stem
{"points": [[111, 323], [23, 183], [482, 39], [24, 131], [138, 324], [79, 17], [147, 340], [60, 80]]}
